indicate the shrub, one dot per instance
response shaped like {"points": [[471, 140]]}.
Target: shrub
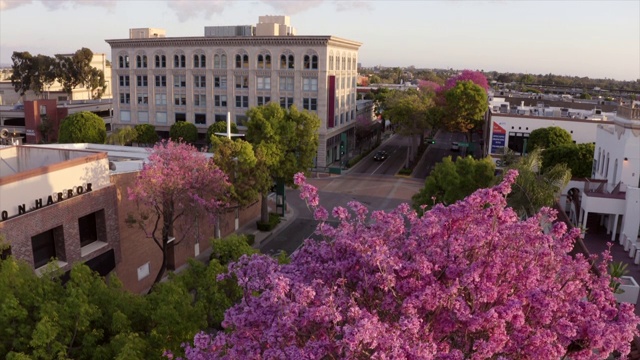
{"points": [[274, 220]]}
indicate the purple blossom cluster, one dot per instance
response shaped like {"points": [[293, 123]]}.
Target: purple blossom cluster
{"points": [[466, 281]]}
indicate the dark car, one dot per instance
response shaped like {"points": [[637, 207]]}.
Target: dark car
{"points": [[455, 146], [380, 156]]}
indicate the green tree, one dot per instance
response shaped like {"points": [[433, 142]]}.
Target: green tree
{"points": [[147, 134], [122, 136], [285, 142], [221, 127], [545, 138], [452, 181], [578, 157], [237, 159], [534, 187], [76, 70], [466, 104], [408, 111], [185, 131], [82, 127], [32, 72]]}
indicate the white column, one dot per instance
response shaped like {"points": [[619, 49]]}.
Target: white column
{"points": [[584, 219], [615, 228]]}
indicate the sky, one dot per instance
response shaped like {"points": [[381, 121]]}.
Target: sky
{"points": [[597, 39]]}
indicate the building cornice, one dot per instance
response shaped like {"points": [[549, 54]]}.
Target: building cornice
{"points": [[254, 41]]}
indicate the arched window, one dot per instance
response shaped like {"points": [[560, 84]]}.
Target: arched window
{"points": [[314, 62], [267, 61], [161, 61], [141, 61], [196, 61], [283, 61], [306, 62], [260, 61], [179, 61], [223, 61], [123, 61], [199, 61], [291, 62], [331, 62], [203, 61]]}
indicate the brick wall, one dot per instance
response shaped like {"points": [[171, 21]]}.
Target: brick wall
{"points": [[138, 249], [63, 217]]}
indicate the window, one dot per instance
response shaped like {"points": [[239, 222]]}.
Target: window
{"points": [[220, 82], [161, 61], [310, 62], [286, 102], [200, 100], [180, 99], [125, 115], [124, 80], [220, 100], [199, 61], [309, 84], [330, 62], [241, 120], [161, 117], [161, 81], [220, 61], [263, 100], [263, 83], [219, 117], [199, 81], [143, 117], [310, 104], [123, 61], [125, 98], [142, 80], [141, 61], [242, 61], [201, 119], [143, 98], [179, 61], [161, 99], [179, 81], [264, 61], [286, 83], [44, 247], [242, 101], [180, 117], [242, 82], [88, 229], [286, 62]]}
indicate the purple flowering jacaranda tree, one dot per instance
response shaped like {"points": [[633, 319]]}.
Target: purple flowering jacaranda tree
{"points": [[466, 281]]}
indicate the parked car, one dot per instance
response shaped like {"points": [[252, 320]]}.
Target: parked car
{"points": [[380, 156], [455, 146]]}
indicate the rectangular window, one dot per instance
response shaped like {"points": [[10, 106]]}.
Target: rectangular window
{"points": [[180, 99], [124, 80], [310, 84], [44, 248], [263, 100], [310, 104], [242, 82], [241, 120], [220, 82], [200, 100], [179, 81], [161, 117], [199, 81], [219, 117], [125, 98], [143, 117], [143, 99], [161, 99], [286, 102], [125, 115], [161, 81], [220, 100], [88, 229], [242, 101], [263, 83], [142, 80], [180, 117], [201, 119], [286, 83]]}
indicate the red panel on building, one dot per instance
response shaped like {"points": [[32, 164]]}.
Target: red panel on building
{"points": [[331, 101]]}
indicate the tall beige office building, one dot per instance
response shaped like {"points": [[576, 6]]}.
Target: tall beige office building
{"points": [[160, 80]]}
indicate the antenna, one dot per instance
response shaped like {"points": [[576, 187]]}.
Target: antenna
{"points": [[4, 133], [228, 134]]}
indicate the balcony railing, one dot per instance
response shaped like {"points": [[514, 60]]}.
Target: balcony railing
{"points": [[629, 113]]}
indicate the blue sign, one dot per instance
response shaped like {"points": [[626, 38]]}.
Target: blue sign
{"points": [[497, 143]]}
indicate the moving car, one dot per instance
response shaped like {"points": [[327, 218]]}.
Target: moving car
{"points": [[455, 146], [380, 156]]}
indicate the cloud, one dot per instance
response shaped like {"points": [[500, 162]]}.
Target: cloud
{"points": [[292, 7], [342, 5], [12, 4], [187, 9]]}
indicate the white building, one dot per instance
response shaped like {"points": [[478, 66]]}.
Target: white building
{"points": [[162, 80]]}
